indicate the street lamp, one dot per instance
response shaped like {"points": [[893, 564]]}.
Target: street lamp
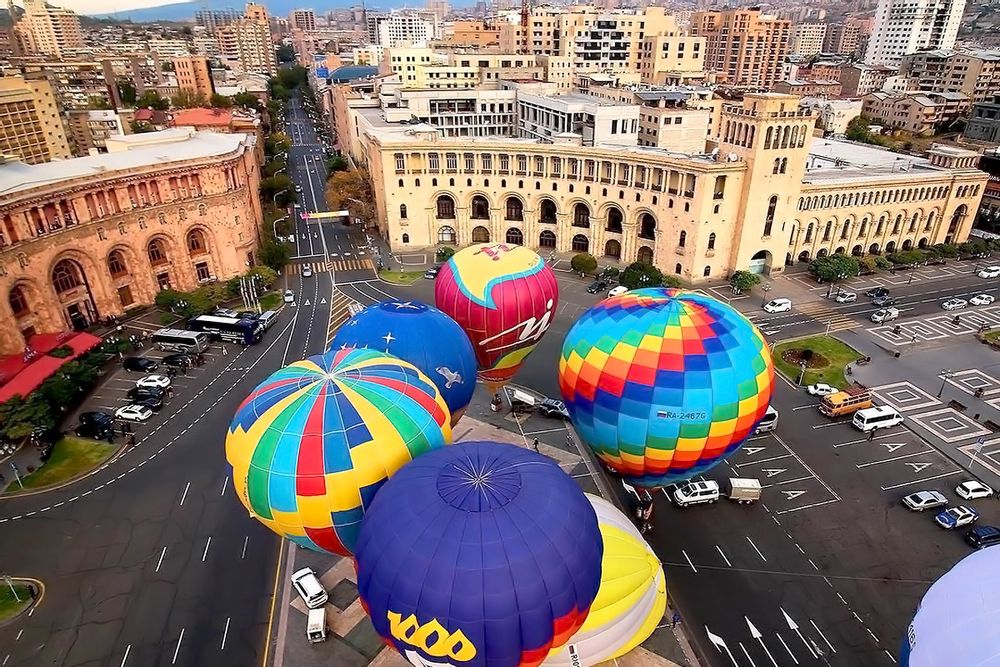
{"points": [[766, 287], [275, 198], [275, 225], [945, 374], [912, 268]]}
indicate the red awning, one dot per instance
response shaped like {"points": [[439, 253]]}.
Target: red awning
{"points": [[34, 373]]}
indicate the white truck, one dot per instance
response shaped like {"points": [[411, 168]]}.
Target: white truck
{"points": [[744, 490]]}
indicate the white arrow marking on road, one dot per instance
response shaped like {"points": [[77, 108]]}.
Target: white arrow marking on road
{"points": [[747, 654], [755, 633], [771, 472], [917, 467], [753, 450], [720, 644], [292, 304], [893, 446], [323, 300], [794, 627], [792, 495]]}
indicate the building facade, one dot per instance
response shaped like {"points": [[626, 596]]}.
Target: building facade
{"points": [[302, 19], [807, 39], [53, 30], [85, 239], [984, 124], [194, 75], [858, 79], [246, 42], [744, 47], [89, 130], [919, 113], [845, 37], [30, 124], [902, 27], [402, 28], [975, 74]]}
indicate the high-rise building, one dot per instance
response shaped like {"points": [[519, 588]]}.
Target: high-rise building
{"points": [[247, 42], [807, 39], [194, 75], [30, 125], [258, 13], [302, 19], [213, 19], [846, 36], [745, 47], [52, 29], [907, 26], [403, 27]]}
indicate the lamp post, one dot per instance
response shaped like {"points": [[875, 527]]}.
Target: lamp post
{"points": [[766, 287], [275, 198], [802, 372], [912, 268], [275, 225], [945, 374]]}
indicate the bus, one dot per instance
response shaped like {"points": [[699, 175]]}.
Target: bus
{"points": [[243, 331], [179, 340]]}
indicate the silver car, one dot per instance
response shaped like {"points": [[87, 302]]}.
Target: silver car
{"points": [[924, 500]]}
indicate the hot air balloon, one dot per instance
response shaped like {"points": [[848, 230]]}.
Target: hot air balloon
{"points": [[956, 622], [504, 297], [311, 445], [630, 601], [481, 554], [663, 384], [423, 336]]}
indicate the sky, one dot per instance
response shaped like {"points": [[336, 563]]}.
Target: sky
{"points": [[109, 6]]}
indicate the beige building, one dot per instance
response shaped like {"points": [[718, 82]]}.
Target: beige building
{"points": [[53, 30], [976, 74], [918, 113], [847, 37], [89, 130], [246, 42], [194, 75], [808, 87], [478, 34], [807, 39], [84, 239], [744, 47], [770, 196], [30, 125], [302, 19], [858, 79]]}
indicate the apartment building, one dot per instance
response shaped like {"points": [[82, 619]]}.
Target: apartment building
{"points": [[168, 49], [594, 119], [478, 34], [401, 28], [404, 61], [213, 19], [984, 123], [973, 73], [809, 87], [30, 124], [302, 19], [847, 37], [743, 46], [75, 83], [194, 75], [858, 79], [51, 30], [807, 39], [832, 116], [902, 27], [89, 130], [918, 113], [246, 42]]}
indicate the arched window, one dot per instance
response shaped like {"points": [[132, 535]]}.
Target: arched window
{"points": [[406, 238], [897, 223], [447, 234], [547, 212], [581, 215], [880, 225], [614, 220], [581, 243], [711, 241], [480, 235], [913, 223], [647, 227], [157, 253], [930, 221], [480, 208], [707, 272], [863, 227], [515, 236], [827, 230], [682, 239], [515, 210], [196, 242], [845, 230], [677, 269], [809, 233], [547, 239], [777, 165], [645, 255], [772, 204], [65, 276], [116, 264], [445, 207], [18, 302], [613, 249], [202, 210], [402, 211]]}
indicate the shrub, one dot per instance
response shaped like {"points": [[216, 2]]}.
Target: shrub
{"points": [[639, 274], [444, 253], [62, 352], [742, 281], [583, 262]]}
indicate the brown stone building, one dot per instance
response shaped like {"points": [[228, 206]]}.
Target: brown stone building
{"points": [[194, 75], [87, 238], [746, 48]]}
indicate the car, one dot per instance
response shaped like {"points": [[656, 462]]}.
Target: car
{"points": [[298, 188], [154, 404], [432, 272], [597, 286], [95, 424], [140, 364], [289, 296], [820, 389], [307, 585], [956, 517], [981, 537], [989, 272], [982, 300], [876, 292], [141, 393], [307, 272], [973, 489], [846, 297], [224, 312], [924, 500], [954, 304], [778, 306], [694, 493], [177, 360], [617, 291], [550, 407], [160, 381], [248, 315], [884, 301], [133, 413], [885, 315]]}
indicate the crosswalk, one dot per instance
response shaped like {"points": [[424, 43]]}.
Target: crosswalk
{"points": [[341, 308], [336, 265], [824, 313]]}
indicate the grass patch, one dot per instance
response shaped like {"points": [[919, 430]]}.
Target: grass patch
{"points": [[827, 364], [991, 336], [270, 301], [9, 605], [400, 277], [70, 458]]}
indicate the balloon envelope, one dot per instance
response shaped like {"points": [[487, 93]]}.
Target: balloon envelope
{"points": [[958, 620], [423, 336], [311, 445], [663, 384], [479, 555], [504, 297]]}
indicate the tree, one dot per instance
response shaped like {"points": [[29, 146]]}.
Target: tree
{"points": [[247, 101], [152, 100], [672, 281], [97, 102], [834, 268], [285, 54], [336, 163], [352, 190], [908, 257], [279, 92], [138, 127], [271, 167], [583, 262], [126, 90], [185, 99], [947, 250], [280, 183], [867, 265], [273, 254], [743, 281], [444, 253], [267, 275], [276, 143], [857, 128], [220, 101], [640, 274]]}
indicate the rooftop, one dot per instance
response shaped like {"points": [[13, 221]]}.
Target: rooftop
{"points": [[201, 117], [835, 159], [176, 145]]}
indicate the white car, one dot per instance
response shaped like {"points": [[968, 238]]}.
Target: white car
{"points": [[820, 389], [973, 490], [616, 291], [289, 296], [158, 381], [778, 305], [885, 315], [982, 300], [956, 517], [307, 272], [133, 413], [847, 297], [954, 304], [989, 272], [307, 585], [924, 500]]}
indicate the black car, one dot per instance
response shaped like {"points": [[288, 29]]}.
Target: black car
{"points": [[884, 301], [154, 404], [981, 537], [877, 292], [177, 360], [553, 408], [95, 424], [141, 393], [139, 364], [597, 286]]}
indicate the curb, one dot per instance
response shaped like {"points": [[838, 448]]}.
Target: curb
{"points": [[30, 609]]}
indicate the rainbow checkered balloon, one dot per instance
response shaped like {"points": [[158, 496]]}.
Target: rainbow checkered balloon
{"points": [[314, 442], [663, 384]]}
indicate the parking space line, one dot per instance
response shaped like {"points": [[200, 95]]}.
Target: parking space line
{"points": [[889, 434], [810, 470], [833, 423], [896, 458], [773, 458], [755, 548], [919, 481], [787, 481], [550, 430], [805, 507], [688, 559], [719, 549]]}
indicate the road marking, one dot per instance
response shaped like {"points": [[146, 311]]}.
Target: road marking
{"points": [[872, 634], [890, 656], [688, 559], [178, 649], [225, 633], [786, 648], [160, 562], [243, 555], [836, 423], [813, 623], [805, 407], [204, 554], [918, 481], [801, 551], [719, 549], [813, 564], [772, 472], [811, 505], [756, 549], [773, 458], [752, 663], [128, 649], [788, 481], [225, 482], [895, 458], [792, 495], [184, 496], [19, 633]]}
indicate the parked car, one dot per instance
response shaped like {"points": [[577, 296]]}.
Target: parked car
{"points": [[432, 272], [982, 300], [177, 360], [617, 291], [161, 381], [154, 404], [289, 296], [225, 312], [140, 364], [846, 297], [989, 272], [596, 287], [956, 517], [778, 305], [133, 413], [981, 537], [954, 304], [885, 315], [973, 490], [248, 315], [307, 271], [876, 292], [550, 407], [95, 424], [924, 500], [821, 389], [142, 393], [307, 585], [694, 493], [884, 300]]}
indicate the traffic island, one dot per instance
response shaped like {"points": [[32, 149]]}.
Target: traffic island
{"points": [[824, 358], [71, 459], [17, 596], [400, 277]]}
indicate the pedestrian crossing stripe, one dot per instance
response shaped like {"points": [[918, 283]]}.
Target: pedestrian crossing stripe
{"points": [[825, 314], [327, 267]]}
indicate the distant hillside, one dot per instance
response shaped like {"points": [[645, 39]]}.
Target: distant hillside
{"points": [[185, 10]]}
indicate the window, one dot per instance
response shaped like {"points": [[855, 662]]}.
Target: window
{"points": [[548, 212], [581, 215], [615, 219], [65, 276], [202, 272], [581, 243], [711, 241], [515, 236], [515, 210], [402, 211], [433, 163], [677, 269], [447, 235], [547, 239], [125, 296], [400, 162], [18, 302], [116, 264], [772, 204], [647, 226], [682, 239], [406, 238], [446, 207], [452, 161], [707, 272], [157, 253], [196, 242], [470, 162], [480, 235]]}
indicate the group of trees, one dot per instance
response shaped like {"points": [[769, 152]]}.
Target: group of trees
{"points": [[287, 80], [207, 298], [634, 276], [351, 190]]}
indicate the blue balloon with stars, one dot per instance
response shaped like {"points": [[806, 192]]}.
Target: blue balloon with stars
{"points": [[425, 337]]}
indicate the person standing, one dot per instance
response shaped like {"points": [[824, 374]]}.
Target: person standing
{"points": [[534, 444], [871, 435], [675, 619]]}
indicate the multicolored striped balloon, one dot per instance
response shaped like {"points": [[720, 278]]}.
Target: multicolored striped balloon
{"points": [[312, 444], [663, 384]]}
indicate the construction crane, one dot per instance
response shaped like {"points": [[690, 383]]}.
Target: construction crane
{"points": [[525, 36]]}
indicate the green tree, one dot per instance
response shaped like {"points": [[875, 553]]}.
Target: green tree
{"points": [[882, 263], [273, 254], [857, 128], [583, 262], [271, 167], [272, 185], [285, 54], [948, 250], [672, 281], [126, 90], [279, 92], [268, 276], [138, 127], [444, 253], [908, 257], [152, 100], [247, 101], [640, 274], [743, 281], [276, 143], [834, 268], [867, 264], [96, 102], [220, 101], [185, 99], [336, 163], [351, 190]]}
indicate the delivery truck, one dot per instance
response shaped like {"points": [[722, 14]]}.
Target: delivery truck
{"points": [[744, 490]]}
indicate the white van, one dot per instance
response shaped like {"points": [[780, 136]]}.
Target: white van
{"points": [[267, 319], [694, 493], [316, 626], [769, 422], [870, 419]]}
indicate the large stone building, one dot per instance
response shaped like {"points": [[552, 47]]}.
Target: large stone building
{"points": [[746, 48], [30, 125], [771, 195], [246, 42], [91, 237]]}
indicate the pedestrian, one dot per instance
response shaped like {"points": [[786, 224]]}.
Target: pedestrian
{"points": [[675, 619], [170, 392], [225, 350], [111, 436], [913, 339], [121, 357], [184, 369], [871, 435], [130, 439], [534, 444], [124, 429]]}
